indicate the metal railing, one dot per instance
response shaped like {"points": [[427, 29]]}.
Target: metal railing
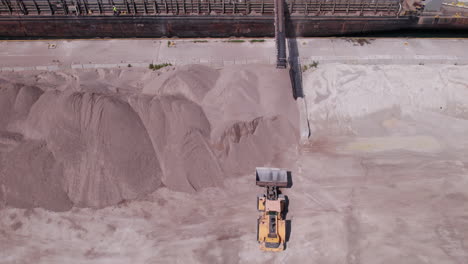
{"points": [[195, 7]]}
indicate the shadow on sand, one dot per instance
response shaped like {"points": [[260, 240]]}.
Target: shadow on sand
{"points": [[295, 69], [286, 210]]}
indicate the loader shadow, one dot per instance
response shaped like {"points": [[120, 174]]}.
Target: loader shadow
{"points": [[286, 210], [288, 221], [290, 182], [288, 230]]}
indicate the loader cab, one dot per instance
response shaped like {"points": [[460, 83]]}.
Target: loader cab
{"points": [[272, 241], [272, 225]]}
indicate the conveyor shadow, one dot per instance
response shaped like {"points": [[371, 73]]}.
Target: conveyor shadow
{"points": [[295, 69]]}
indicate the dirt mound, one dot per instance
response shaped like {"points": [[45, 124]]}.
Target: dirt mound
{"points": [[190, 81], [245, 145], [15, 102], [179, 131], [102, 143], [244, 93], [32, 177], [187, 129]]}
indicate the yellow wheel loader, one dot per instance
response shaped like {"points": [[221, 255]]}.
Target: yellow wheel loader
{"points": [[271, 226]]}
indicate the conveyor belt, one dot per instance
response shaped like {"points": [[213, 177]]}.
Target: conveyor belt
{"points": [[280, 35]]}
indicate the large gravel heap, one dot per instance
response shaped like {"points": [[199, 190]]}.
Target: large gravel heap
{"points": [[93, 146]]}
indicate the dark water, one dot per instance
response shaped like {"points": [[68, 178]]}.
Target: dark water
{"points": [[403, 33]]}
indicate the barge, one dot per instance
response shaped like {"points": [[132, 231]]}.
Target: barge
{"points": [[219, 18]]}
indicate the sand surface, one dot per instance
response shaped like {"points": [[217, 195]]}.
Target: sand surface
{"points": [[383, 178]]}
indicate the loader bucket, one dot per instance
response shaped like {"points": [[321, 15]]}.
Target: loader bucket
{"points": [[271, 177]]}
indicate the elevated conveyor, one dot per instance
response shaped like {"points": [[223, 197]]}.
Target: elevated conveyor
{"points": [[280, 35]]}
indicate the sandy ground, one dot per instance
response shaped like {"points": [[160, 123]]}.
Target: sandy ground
{"points": [[383, 179], [384, 173], [115, 53]]}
